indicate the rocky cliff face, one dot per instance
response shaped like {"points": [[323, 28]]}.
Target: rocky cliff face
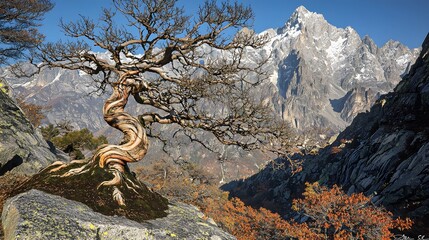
{"points": [[321, 77], [383, 153], [22, 147]]}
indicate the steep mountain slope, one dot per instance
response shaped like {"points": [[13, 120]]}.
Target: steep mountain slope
{"points": [[321, 77], [383, 153]]}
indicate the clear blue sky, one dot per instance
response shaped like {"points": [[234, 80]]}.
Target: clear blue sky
{"points": [[404, 20]]}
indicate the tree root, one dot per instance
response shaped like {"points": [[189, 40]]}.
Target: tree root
{"points": [[106, 190], [117, 169]]}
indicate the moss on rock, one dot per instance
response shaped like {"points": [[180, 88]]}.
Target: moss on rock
{"points": [[141, 205]]}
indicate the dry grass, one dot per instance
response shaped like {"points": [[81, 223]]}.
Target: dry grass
{"points": [[8, 182]]}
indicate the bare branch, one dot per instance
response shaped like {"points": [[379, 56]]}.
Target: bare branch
{"points": [[180, 65]]}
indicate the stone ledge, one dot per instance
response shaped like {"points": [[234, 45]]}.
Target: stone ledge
{"points": [[38, 215]]}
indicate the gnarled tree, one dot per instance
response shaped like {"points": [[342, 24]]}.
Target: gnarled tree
{"points": [[175, 64]]}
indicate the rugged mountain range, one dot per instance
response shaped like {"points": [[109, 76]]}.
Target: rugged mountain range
{"points": [[321, 77], [384, 153], [326, 75]]}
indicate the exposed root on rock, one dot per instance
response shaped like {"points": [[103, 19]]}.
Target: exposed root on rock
{"points": [[114, 158]]}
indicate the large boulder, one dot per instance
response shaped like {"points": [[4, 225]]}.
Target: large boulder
{"points": [[38, 215], [22, 147]]}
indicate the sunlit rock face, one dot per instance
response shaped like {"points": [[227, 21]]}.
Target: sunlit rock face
{"points": [[326, 75]]}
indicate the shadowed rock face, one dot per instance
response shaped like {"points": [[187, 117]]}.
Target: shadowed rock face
{"points": [[38, 215], [387, 156], [22, 148]]}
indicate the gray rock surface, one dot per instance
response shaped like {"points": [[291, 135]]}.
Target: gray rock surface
{"points": [[387, 156], [22, 147], [38, 215]]}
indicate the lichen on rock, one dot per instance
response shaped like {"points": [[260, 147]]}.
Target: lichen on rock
{"points": [[22, 147], [45, 216]]}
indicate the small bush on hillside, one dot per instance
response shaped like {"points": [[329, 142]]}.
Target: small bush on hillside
{"points": [[188, 183], [72, 142], [34, 113], [336, 215]]}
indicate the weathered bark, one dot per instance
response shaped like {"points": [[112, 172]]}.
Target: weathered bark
{"points": [[133, 147], [135, 143]]}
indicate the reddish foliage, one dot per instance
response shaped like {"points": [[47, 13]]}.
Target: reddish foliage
{"points": [[248, 223], [336, 215], [192, 185], [333, 214], [335, 150], [33, 112]]}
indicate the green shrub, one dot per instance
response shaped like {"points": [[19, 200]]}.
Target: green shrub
{"points": [[72, 142]]}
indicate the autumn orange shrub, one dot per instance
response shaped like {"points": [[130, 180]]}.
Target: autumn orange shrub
{"points": [[332, 213], [188, 183], [335, 150], [336, 215], [247, 223], [193, 185]]}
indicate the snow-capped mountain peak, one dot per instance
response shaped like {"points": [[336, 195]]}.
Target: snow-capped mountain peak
{"points": [[300, 18], [330, 74]]}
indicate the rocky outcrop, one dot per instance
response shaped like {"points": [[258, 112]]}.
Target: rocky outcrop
{"points": [[384, 153], [22, 147], [38, 215]]}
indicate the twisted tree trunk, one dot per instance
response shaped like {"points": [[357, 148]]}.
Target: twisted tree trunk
{"points": [[114, 158], [134, 145], [95, 181]]}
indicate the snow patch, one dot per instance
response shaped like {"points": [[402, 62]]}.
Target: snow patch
{"points": [[56, 77], [294, 32], [334, 50], [359, 77], [274, 78], [403, 60], [27, 84]]}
